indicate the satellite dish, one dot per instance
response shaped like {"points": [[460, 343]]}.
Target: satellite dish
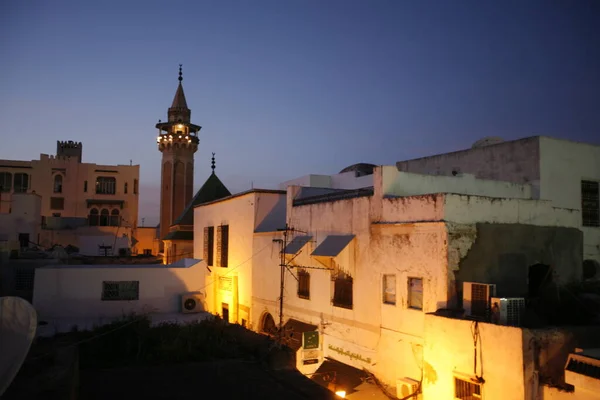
{"points": [[18, 321]]}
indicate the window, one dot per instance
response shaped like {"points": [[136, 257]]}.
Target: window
{"points": [[104, 218], [93, 219], [85, 186], [5, 181], [125, 188], [21, 182], [120, 290], [303, 284], [135, 186], [389, 289], [106, 185], [415, 293], [209, 244], [222, 246], [58, 179], [590, 203], [342, 291], [466, 390], [114, 218], [57, 203], [147, 252]]}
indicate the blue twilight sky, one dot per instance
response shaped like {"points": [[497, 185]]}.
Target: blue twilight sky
{"points": [[284, 88]]}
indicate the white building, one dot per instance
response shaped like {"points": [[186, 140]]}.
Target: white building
{"points": [[565, 172], [367, 264], [225, 232], [86, 295]]}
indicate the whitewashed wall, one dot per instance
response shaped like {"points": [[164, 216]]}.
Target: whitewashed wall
{"points": [[244, 214], [75, 291], [563, 166]]}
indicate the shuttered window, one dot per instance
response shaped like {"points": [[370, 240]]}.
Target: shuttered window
{"points": [[209, 244], [222, 246], [303, 284]]}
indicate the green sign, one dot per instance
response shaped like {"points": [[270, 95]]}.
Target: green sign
{"points": [[310, 340]]}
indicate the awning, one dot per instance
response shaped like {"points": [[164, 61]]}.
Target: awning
{"points": [[337, 376], [332, 245], [105, 202], [296, 244], [293, 330]]}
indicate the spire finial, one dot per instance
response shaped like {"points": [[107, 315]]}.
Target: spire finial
{"points": [[213, 163], [180, 73]]}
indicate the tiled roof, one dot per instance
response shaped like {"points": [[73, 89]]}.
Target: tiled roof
{"points": [[213, 189], [179, 235], [179, 99]]}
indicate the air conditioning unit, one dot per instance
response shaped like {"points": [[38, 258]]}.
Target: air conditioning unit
{"points": [[406, 387], [507, 311], [477, 299], [192, 302]]}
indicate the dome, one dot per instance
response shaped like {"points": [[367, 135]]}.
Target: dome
{"points": [[360, 169], [487, 141]]}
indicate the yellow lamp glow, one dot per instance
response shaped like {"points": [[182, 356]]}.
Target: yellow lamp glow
{"points": [[341, 393], [180, 126]]}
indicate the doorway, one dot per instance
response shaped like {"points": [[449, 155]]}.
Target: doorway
{"points": [[540, 276], [225, 311], [24, 240]]}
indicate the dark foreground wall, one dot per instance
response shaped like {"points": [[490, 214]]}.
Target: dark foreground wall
{"points": [[503, 254]]}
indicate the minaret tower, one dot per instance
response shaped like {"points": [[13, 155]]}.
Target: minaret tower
{"points": [[177, 141]]}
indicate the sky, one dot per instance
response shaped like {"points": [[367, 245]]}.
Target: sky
{"points": [[285, 88]]}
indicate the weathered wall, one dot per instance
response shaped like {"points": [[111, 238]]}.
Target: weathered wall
{"points": [[467, 209], [448, 352], [502, 254], [514, 161], [563, 166], [398, 183]]}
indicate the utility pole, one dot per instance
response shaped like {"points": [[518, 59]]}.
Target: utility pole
{"points": [[285, 265], [282, 280]]}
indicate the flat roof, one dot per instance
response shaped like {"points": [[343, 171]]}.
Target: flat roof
{"points": [[240, 194], [184, 263]]}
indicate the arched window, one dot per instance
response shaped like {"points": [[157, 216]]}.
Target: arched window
{"points": [[125, 188], [5, 181], [58, 183], [93, 217], [114, 218], [104, 217]]}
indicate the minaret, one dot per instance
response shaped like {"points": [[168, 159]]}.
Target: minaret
{"points": [[177, 141]]}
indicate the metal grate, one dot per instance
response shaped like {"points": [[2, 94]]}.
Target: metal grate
{"points": [[479, 300], [590, 203], [120, 290], [342, 291], [514, 311], [465, 390], [24, 279]]}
